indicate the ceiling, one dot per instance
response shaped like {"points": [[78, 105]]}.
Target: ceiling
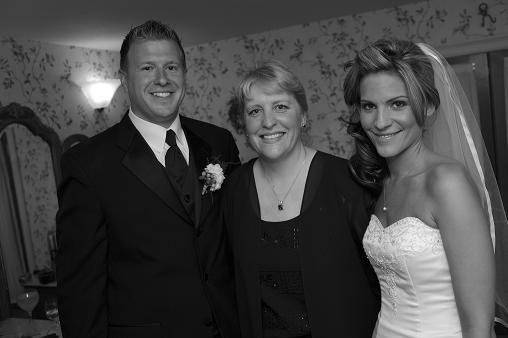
{"points": [[102, 24]]}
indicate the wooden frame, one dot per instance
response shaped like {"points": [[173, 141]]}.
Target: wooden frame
{"points": [[73, 140], [17, 114]]}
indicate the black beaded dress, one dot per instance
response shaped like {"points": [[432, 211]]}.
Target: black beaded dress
{"points": [[307, 276], [284, 314]]}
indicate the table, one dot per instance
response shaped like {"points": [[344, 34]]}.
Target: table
{"points": [[34, 283], [16, 327]]}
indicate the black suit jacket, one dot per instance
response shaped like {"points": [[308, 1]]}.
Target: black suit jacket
{"points": [[340, 287], [132, 262]]}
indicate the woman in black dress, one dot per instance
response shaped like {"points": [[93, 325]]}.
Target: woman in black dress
{"points": [[294, 220]]}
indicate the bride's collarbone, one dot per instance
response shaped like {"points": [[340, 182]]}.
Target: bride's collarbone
{"points": [[406, 200]]}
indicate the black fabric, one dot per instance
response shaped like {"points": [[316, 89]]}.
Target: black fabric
{"points": [[184, 179], [283, 309], [340, 287], [176, 166], [131, 260]]}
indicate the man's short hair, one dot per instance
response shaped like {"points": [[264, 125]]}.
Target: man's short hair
{"points": [[150, 30]]}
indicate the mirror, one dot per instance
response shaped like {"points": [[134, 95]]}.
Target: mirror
{"points": [[29, 174]]}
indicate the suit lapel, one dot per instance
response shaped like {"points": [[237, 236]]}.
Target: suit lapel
{"points": [[200, 154], [140, 160]]}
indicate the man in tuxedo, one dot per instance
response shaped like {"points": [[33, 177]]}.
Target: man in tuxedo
{"points": [[142, 250]]}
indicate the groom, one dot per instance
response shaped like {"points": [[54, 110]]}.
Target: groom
{"points": [[142, 251]]}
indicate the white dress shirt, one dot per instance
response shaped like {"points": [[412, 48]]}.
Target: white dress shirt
{"points": [[155, 136]]}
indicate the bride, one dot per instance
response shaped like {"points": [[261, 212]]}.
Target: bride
{"points": [[430, 238]]}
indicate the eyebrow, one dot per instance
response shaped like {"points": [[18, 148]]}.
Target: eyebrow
{"points": [[389, 100], [282, 101], [152, 62], [399, 97]]}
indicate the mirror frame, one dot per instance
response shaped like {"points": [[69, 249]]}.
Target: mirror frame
{"points": [[72, 140], [14, 113]]}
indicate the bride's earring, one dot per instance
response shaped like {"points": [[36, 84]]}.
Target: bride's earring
{"points": [[430, 111]]}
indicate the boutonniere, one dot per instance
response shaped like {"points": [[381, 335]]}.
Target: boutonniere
{"points": [[212, 177]]}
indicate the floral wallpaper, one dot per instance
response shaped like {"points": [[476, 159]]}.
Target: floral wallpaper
{"points": [[317, 52], [44, 77]]}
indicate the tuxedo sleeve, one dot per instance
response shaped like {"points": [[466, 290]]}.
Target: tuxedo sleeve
{"points": [[81, 258]]}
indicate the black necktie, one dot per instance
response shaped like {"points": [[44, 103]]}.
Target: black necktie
{"points": [[176, 166]]}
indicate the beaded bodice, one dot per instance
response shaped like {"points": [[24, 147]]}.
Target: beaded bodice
{"points": [[417, 297], [284, 312]]}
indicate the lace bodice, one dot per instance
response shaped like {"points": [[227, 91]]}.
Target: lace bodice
{"points": [[417, 297]]}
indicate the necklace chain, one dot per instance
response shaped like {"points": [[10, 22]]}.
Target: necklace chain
{"points": [[385, 187], [384, 208], [280, 201]]}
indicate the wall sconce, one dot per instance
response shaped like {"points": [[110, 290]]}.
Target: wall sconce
{"points": [[99, 93]]}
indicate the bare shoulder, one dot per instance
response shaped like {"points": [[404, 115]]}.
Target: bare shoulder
{"points": [[454, 200], [449, 179]]}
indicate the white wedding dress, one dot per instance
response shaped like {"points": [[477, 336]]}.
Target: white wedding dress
{"points": [[417, 297]]}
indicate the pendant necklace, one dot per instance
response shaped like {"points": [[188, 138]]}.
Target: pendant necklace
{"points": [[384, 208], [280, 201], [414, 169], [384, 202]]}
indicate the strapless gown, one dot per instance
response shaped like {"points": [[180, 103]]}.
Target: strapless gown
{"points": [[417, 297]]}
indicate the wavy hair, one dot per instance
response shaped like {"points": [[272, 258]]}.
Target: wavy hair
{"points": [[405, 59]]}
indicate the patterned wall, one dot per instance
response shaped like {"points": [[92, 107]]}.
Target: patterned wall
{"points": [[43, 76], [317, 52]]}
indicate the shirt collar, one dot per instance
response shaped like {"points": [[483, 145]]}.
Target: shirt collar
{"points": [[154, 134]]}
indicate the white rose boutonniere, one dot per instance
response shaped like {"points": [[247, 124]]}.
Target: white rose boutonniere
{"points": [[213, 176]]}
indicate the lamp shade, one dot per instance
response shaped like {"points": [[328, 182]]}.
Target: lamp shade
{"points": [[99, 93]]}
